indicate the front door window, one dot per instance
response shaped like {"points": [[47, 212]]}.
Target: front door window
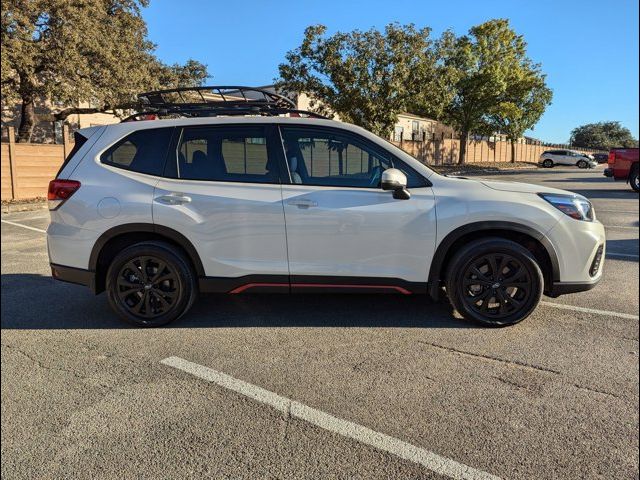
{"points": [[333, 158]]}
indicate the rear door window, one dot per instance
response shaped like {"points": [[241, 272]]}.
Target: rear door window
{"points": [[226, 154], [143, 151]]}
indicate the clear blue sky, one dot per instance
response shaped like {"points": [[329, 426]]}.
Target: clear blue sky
{"points": [[589, 49]]}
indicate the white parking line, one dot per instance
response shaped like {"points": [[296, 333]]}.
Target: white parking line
{"points": [[609, 313], [622, 255], [394, 446], [24, 226]]}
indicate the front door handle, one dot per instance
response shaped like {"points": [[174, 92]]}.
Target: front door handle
{"points": [[173, 199], [303, 203]]}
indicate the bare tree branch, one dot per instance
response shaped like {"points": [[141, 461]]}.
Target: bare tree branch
{"points": [[67, 112]]}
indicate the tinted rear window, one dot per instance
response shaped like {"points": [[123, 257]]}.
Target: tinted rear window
{"points": [[226, 154], [143, 151]]}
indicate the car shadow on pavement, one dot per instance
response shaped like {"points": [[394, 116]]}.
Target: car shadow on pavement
{"points": [[37, 302]]}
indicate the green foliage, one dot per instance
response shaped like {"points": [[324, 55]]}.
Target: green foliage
{"points": [[69, 52], [603, 135], [525, 99], [367, 78], [494, 83]]}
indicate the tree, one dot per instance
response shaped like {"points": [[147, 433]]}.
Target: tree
{"points": [[604, 135], [95, 51], [481, 65], [524, 101], [367, 78]]}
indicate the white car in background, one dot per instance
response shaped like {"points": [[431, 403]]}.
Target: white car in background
{"points": [[551, 158], [237, 195]]}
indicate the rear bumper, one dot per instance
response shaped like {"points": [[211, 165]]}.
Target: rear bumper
{"points": [[78, 276], [608, 172]]}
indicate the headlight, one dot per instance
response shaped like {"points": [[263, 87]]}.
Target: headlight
{"points": [[575, 207]]}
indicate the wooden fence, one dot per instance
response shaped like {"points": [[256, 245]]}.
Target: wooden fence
{"points": [[445, 151], [26, 168]]}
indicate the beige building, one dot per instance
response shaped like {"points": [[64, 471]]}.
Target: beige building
{"points": [[414, 128]]}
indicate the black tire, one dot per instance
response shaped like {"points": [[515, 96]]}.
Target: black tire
{"points": [[633, 178], [150, 284], [547, 163], [582, 164], [494, 300]]}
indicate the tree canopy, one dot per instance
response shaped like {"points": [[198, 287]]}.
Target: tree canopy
{"points": [[367, 78], [480, 82], [495, 85], [603, 135], [524, 101], [95, 51]]}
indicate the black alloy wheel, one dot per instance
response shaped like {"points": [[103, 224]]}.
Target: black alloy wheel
{"points": [[494, 281], [496, 285], [147, 286], [151, 284]]}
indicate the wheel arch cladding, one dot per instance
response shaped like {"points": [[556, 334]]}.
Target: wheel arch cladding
{"points": [[530, 238], [117, 238]]}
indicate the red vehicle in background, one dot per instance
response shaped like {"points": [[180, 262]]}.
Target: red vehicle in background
{"points": [[623, 165]]}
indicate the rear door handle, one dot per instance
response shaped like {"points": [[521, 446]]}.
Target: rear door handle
{"points": [[303, 203], [173, 199]]}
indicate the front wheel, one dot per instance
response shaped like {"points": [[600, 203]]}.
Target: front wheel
{"points": [[150, 284], [548, 163], [582, 164], [494, 281]]}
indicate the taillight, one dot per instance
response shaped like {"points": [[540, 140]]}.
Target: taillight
{"points": [[612, 158], [60, 191]]}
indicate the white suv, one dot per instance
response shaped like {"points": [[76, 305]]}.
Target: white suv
{"points": [[551, 158], [156, 211]]}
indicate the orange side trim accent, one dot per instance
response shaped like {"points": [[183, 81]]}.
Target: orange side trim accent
{"points": [[242, 288]]}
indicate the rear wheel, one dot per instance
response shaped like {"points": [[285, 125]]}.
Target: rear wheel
{"points": [[582, 164], [150, 284], [633, 178], [547, 163], [494, 281]]}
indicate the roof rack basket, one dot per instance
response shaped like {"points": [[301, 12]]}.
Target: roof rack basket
{"points": [[212, 101]]}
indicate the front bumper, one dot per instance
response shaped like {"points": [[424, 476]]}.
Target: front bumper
{"points": [[564, 288], [581, 249], [78, 276]]}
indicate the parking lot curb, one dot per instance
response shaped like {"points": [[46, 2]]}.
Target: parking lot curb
{"points": [[23, 207]]}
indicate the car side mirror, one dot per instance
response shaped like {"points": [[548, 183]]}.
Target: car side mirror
{"points": [[393, 179]]}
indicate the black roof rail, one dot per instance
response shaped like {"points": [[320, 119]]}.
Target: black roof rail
{"points": [[211, 101]]}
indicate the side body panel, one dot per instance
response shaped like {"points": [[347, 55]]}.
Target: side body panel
{"points": [[238, 229], [355, 232]]}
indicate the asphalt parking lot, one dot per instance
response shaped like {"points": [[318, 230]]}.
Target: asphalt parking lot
{"points": [[367, 386]]}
